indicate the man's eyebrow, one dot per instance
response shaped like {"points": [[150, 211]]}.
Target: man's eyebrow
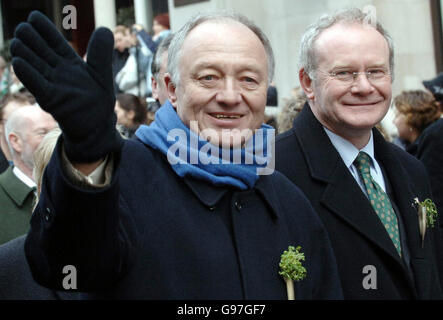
{"points": [[244, 67], [205, 65], [38, 129]]}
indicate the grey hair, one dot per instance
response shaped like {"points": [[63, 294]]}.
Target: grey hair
{"points": [[179, 38], [15, 123], [158, 55], [307, 58]]}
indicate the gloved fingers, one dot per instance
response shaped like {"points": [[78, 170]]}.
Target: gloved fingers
{"points": [[51, 35], [19, 49], [27, 35], [99, 54], [31, 79]]}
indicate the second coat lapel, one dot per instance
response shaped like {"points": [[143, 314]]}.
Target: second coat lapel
{"points": [[403, 193]]}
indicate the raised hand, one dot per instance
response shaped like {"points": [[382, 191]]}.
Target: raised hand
{"points": [[79, 95]]}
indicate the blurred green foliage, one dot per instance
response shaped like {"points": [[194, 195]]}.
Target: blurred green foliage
{"points": [[4, 52], [126, 16]]}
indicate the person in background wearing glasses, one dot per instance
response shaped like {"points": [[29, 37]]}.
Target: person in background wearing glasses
{"points": [[361, 186]]}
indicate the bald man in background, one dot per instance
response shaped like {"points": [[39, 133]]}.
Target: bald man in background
{"points": [[8, 104], [24, 131]]}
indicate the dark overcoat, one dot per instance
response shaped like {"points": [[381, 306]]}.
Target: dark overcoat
{"points": [[16, 282], [360, 242], [153, 235], [428, 148]]}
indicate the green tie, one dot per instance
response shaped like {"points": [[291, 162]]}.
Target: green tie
{"points": [[379, 199]]}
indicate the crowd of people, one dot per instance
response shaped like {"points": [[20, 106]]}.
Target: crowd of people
{"points": [[88, 178]]}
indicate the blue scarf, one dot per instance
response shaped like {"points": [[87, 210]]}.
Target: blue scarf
{"points": [[189, 155]]}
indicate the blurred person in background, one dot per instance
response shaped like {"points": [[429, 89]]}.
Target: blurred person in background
{"points": [[122, 43], [4, 77], [158, 69], [132, 78], [415, 110], [131, 113], [419, 123], [3, 67], [9, 83], [435, 86], [15, 84], [290, 109], [24, 129], [160, 31], [8, 104], [15, 275], [42, 155]]}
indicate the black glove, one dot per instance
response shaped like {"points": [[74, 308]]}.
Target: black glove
{"points": [[79, 95]]}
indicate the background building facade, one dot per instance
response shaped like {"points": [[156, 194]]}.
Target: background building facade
{"points": [[415, 26]]}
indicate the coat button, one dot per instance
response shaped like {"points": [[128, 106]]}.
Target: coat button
{"points": [[238, 205], [212, 208], [48, 212]]}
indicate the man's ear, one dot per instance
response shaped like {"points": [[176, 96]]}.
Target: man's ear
{"points": [[306, 84], [131, 114], [171, 90], [16, 142]]}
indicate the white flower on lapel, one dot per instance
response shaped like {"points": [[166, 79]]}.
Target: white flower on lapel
{"points": [[427, 215]]}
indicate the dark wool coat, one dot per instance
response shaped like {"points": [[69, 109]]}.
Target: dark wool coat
{"points": [[16, 281], [153, 235], [308, 158], [428, 148]]}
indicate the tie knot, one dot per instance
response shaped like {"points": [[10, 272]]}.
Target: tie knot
{"points": [[363, 162]]}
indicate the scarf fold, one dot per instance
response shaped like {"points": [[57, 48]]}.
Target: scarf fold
{"points": [[191, 156]]}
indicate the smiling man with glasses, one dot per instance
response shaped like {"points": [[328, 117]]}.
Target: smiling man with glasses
{"points": [[361, 186]]}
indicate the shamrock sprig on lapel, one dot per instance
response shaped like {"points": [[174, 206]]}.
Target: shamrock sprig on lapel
{"points": [[292, 269], [427, 216]]}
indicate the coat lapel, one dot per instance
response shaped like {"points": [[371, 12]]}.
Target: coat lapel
{"points": [[342, 195], [14, 187]]}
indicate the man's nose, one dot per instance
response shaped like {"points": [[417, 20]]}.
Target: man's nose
{"points": [[229, 94], [362, 85]]}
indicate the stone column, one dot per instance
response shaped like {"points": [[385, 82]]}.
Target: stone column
{"points": [[57, 12], [143, 13], [1, 29], [105, 13]]}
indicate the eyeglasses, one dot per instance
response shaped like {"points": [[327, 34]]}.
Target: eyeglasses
{"points": [[374, 76]]}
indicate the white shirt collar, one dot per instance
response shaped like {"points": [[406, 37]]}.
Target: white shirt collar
{"points": [[348, 152], [24, 178]]}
